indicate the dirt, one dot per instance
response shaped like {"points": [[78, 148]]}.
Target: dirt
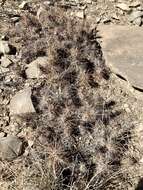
{"points": [[87, 130]]}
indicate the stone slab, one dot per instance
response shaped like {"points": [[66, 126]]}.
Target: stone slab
{"points": [[123, 51]]}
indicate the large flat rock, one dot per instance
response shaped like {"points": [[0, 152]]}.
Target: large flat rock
{"points": [[123, 51]]}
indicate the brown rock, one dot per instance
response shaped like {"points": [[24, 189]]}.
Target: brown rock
{"points": [[123, 51]]}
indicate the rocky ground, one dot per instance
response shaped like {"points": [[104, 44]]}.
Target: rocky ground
{"points": [[67, 119]]}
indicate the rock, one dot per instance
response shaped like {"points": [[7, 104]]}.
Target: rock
{"points": [[15, 19], [134, 15], [2, 134], [4, 47], [33, 70], [141, 160], [79, 14], [21, 103], [39, 12], [3, 70], [4, 37], [5, 62], [140, 8], [138, 21], [30, 143], [82, 168], [82, 7], [87, 1], [10, 147], [23, 5], [47, 3], [114, 16], [123, 6], [106, 20], [135, 4], [98, 19], [127, 109], [123, 51], [8, 79]]}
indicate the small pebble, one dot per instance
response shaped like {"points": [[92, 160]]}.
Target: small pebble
{"points": [[3, 70], [2, 134], [30, 143], [82, 168], [79, 14], [141, 160], [88, 1], [98, 19], [39, 11], [23, 5], [106, 20], [15, 19], [5, 62], [4, 47], [114, 16]]}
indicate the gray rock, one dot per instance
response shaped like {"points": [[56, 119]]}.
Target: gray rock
{"points": [[10, 147], [114, 16], [3, 70], [87, 1], [21, 103], [134, 15], [106, 20], [79, 14], [33, 70], [39, 11], [138, 21], [5, 62], [123, 51], [123, 6], [2, 134], [4, 47], [135, 4], [23, 5], [15, 19]]}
